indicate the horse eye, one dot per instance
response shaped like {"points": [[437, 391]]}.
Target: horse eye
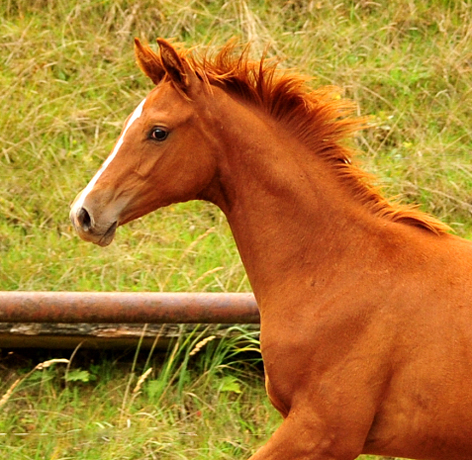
{"points": [[159, 134]]}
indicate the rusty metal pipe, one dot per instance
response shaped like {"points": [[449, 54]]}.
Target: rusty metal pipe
{"points": [[127, 307]]}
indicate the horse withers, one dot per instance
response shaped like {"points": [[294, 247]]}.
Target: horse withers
{"points": [[366, 306]]}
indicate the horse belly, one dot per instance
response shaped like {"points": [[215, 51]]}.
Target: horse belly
{"points": [[387, 439], [426, 410], [429, 420]]}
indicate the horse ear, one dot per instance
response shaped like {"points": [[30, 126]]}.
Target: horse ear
{"points": [[149, 62], [176, 67]]}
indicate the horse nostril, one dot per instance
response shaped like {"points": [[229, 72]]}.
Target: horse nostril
{"points": [[83, 217]]}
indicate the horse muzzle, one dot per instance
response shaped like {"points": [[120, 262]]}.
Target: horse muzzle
{"points": [[89, 229]]}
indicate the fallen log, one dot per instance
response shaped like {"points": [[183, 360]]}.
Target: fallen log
{"points": [[109, 336]]}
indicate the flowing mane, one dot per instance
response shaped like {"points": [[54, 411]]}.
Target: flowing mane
{"points": [[319, 118]]}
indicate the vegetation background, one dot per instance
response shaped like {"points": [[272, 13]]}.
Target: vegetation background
{"points": [[68, 81]]}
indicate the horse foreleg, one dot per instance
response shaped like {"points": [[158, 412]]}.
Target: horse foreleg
{"points": [[305, 438]]}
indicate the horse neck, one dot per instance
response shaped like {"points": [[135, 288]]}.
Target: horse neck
{"points": [[287, 208]]}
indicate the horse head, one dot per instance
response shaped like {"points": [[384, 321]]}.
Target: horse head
{"points": [[162, 156]]}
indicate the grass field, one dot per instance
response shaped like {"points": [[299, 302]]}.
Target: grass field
{"points": [[68, 81]]}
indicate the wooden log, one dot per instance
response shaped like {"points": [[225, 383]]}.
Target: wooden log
{"points": [[106, 336]]}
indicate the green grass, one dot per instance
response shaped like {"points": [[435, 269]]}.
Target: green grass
{"points": [[68, 81], [197, 403]]}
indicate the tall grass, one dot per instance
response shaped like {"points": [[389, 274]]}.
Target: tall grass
{"points": [[68, 81], [196, 403]]}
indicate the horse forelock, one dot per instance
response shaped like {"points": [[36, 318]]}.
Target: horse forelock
{"points": [[319, 118]]}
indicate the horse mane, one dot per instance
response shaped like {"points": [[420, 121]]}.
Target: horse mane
{"points": [[319, 118]]}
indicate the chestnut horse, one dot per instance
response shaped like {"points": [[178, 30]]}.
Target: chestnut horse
{"points": [[366, 306]]}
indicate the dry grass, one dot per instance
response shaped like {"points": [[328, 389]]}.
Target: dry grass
{"points": [[70, 80]]}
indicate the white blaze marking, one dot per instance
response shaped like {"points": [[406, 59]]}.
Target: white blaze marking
{"points": [[136, 114]]}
